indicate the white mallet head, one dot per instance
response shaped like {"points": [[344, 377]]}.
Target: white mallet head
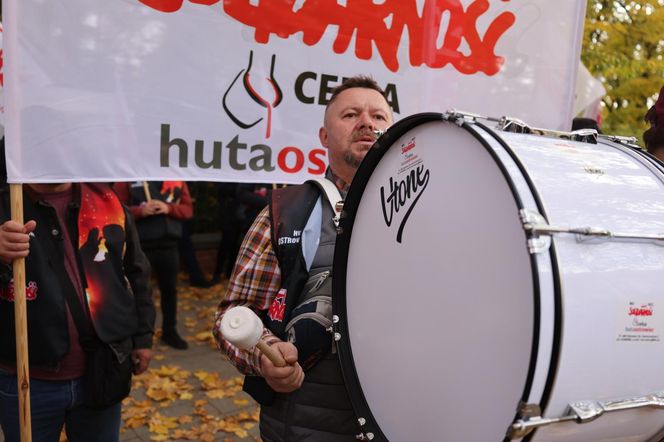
{"points": [[241, 327]]}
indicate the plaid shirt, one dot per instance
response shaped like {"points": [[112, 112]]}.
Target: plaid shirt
{"points": [[255, 281]]}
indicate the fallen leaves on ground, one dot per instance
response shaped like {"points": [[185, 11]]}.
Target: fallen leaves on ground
{"points": [[176, 404]]}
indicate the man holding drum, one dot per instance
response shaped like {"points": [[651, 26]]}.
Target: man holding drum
{"points": [[283, 273]]}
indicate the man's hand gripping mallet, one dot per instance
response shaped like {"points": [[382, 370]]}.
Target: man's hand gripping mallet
{"points": [[243, 328]]}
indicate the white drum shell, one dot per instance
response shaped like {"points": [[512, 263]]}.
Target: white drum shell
{"points": [[449, 327], [602, 186]]}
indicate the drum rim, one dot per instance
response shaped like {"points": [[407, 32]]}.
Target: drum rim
{"points": [[650, 160], [364, 172], [557, 290], [356, 190]]}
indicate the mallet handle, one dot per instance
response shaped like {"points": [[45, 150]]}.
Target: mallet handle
{"points": [[271, 353]]}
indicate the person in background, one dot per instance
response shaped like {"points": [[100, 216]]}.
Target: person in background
{"points": [[251, 199], [188, 255], [307, 399], [159, 208], [80, 246], [654, 136], [230, 220], [238, 211]]}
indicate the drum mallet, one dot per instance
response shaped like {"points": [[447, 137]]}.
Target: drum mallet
{"points": [[243, 328]]}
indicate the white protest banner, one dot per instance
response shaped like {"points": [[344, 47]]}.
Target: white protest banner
{"points": [[235, 90]]}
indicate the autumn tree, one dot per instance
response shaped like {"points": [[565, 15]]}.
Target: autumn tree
{"points": [[623, 46]]}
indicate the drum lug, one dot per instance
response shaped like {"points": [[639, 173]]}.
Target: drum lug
{"points": [[509, 124], [539, 244], [580, 412], [527, 413], [460, 117], [629, 141], [532, 219]]}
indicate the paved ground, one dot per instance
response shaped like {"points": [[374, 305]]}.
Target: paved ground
{"points": [[192, 394]]}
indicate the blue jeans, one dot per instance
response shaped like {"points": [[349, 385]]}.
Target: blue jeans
{"points": [[54, 404]]}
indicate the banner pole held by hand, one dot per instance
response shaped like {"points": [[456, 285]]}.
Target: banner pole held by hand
{"points": [[146, 189], [21, 320]]}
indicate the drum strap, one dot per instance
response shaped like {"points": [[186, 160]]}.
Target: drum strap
{"points": [[332, 195]]}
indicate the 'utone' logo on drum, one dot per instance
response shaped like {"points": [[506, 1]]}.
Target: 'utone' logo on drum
{"points": [[403, 194]]}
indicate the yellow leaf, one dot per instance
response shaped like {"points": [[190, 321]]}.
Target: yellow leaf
{"points": [[158, 428], [241, 433], [166, 370], [157, 395], [185, 419], [215, 394], [240, 401], [186, 396], [207, 437], [203, 336]]}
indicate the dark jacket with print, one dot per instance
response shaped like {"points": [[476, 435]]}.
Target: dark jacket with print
{"points": [[117, 286]]}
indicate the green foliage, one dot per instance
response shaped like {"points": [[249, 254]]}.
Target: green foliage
{"points": [[623, 45]]}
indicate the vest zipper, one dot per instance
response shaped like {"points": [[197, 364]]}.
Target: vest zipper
{"points": [[319, 282]]}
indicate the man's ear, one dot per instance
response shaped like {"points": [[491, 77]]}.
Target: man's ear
{"points": [[322, 136]]}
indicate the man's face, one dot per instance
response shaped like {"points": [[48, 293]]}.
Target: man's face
{"points": [[348, 130]]}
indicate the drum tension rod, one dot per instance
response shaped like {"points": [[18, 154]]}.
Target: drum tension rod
{"points": [[535, 224], [515, 125], [580, 412]]}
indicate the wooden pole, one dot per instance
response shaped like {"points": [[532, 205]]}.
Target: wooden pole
{"points": [[146, 189], [21, 319]]}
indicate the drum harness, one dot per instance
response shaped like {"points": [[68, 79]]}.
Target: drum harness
{"points": [[314, 308]]}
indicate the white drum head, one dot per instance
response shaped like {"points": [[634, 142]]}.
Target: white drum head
{"points": [[437, 330]]}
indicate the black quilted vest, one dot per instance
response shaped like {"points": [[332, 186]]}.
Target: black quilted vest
{"points": [[320, 410]]}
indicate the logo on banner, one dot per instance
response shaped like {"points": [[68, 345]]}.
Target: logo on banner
{"points": [[269, 105], [404, 192]]}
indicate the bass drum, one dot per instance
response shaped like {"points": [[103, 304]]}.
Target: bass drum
{"points": [[484, 279]]}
